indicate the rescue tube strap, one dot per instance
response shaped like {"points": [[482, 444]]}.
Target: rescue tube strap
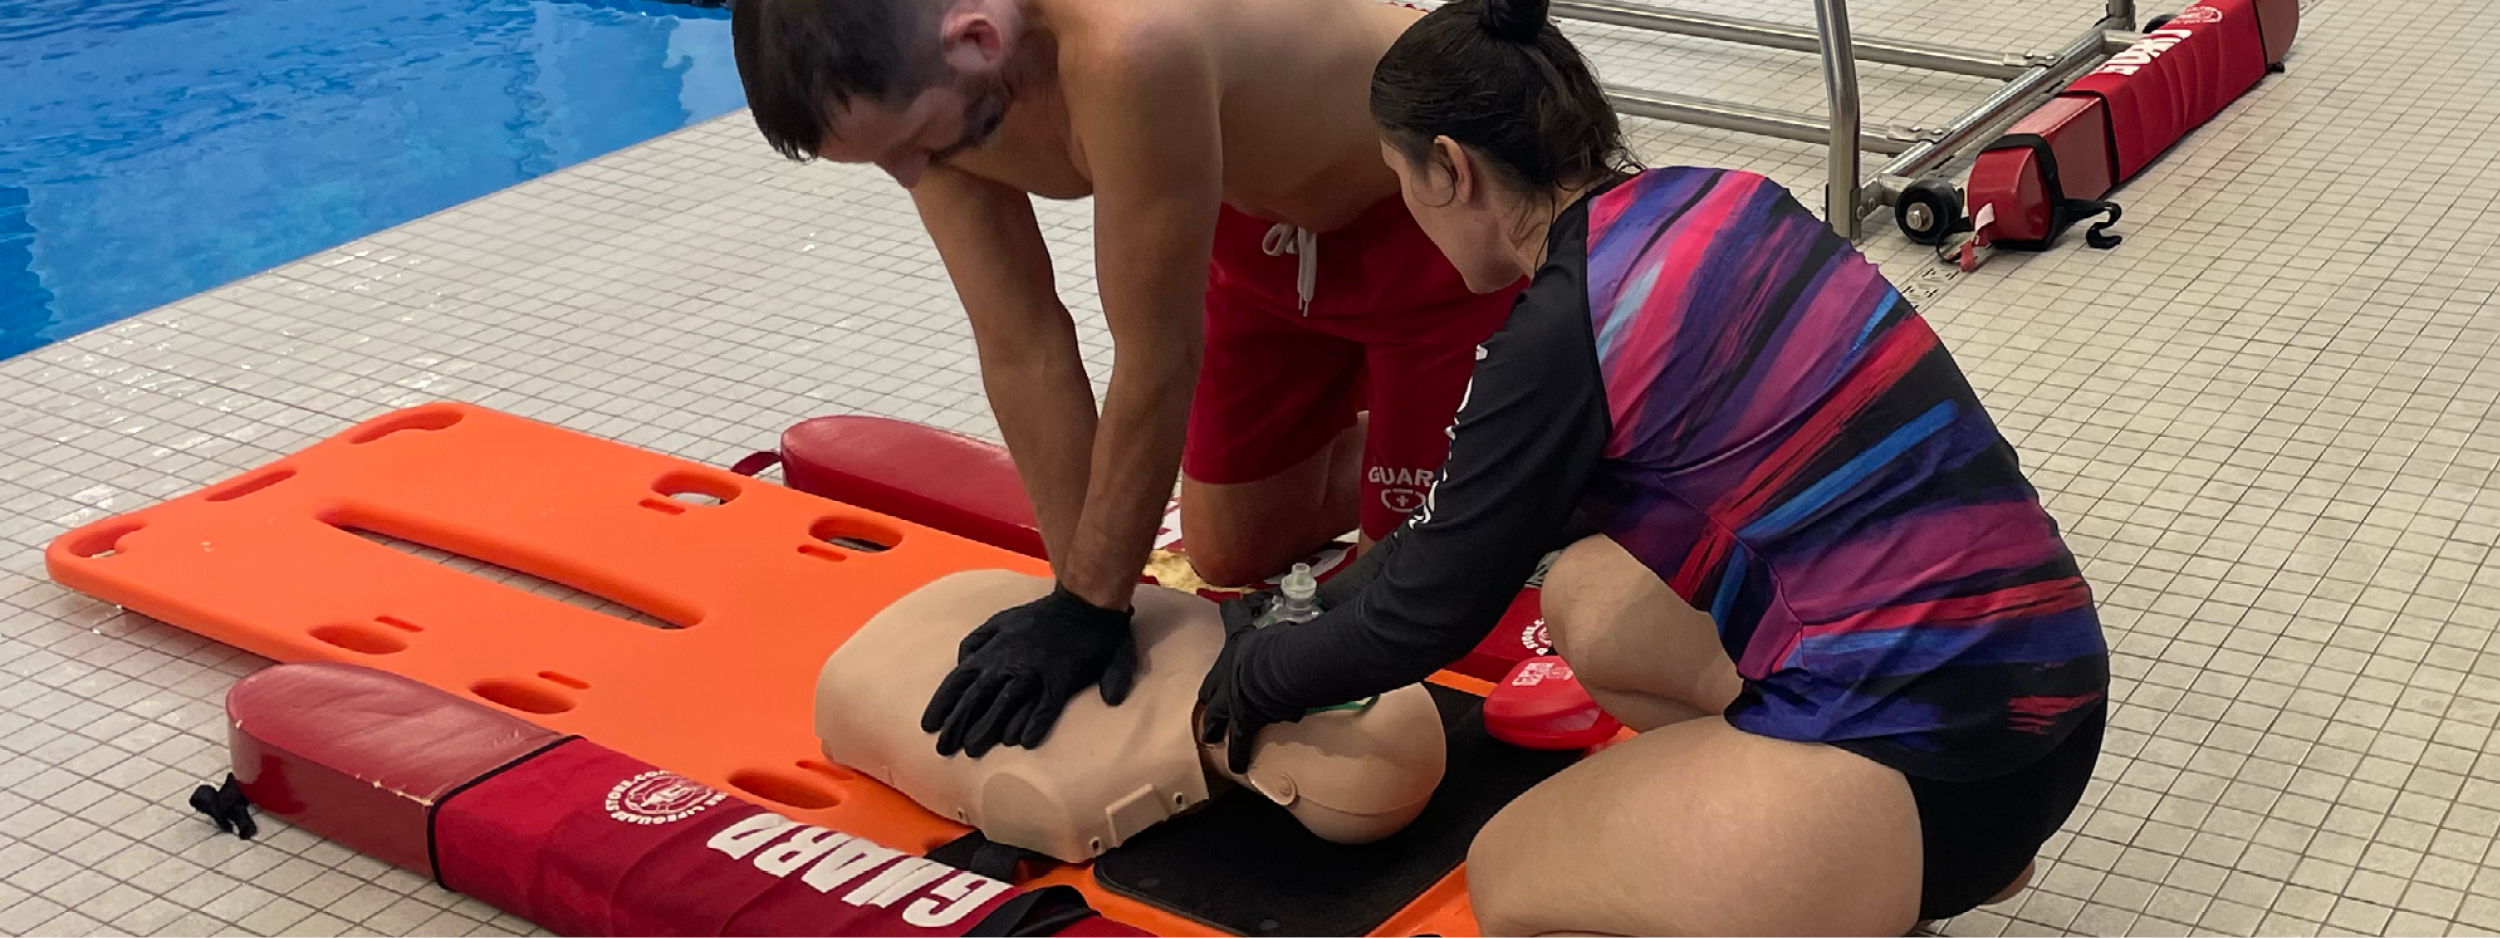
{"points": [[227, 806], [2063, 212], [977, 853], [756, 462], [1045, 911]]}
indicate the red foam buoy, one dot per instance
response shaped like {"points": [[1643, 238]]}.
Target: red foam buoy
{"points": [[1541, 705], [2053, 168], [582, 839]]}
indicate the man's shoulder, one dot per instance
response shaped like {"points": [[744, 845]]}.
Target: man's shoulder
{"points": [[1123, 41]]}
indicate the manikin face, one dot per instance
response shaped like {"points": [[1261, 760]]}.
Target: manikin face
{"points": [[961, 112], [1455, 204]]}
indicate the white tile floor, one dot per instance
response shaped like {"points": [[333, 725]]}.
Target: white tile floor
{"points": [[2266, 421]]}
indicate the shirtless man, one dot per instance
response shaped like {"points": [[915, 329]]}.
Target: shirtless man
{"points": [[1262, 280]]}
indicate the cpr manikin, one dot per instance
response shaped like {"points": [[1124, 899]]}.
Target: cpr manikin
{"points": [[1106, 773]]}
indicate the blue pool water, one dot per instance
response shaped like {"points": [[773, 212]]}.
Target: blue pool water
{"points": [[151, 149]]}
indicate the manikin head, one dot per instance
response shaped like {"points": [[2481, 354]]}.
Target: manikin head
{"points": [[1494, 123], [1350, 776], [904, 84]]}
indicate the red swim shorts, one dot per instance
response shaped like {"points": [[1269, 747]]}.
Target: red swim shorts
{"points": [[1390, 327]]}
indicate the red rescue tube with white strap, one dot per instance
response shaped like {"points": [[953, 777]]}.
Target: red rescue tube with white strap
{"points": [[584, 840], [969, 488], [2176, 78], [2114, 122], [579, 838]]}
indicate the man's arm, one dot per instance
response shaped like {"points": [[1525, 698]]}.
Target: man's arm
{"points": [[1146, 112], [1030, 366]]}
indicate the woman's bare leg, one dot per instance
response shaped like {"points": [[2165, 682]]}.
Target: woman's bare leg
{"points": [[1702, 829], [1645, 654]]}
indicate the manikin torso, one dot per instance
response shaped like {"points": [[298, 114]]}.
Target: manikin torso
{"points": [[1106, 773]]}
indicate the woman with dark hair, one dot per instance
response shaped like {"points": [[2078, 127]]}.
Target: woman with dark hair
{"points": [[1866, 671]]}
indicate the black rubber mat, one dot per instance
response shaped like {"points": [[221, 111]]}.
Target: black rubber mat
{"points": [[1243, 865]]}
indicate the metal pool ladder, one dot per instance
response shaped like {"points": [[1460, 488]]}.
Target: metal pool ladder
{"points": [[1915, 151]]}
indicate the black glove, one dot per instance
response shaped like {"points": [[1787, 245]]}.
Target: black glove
{"points": [[1015, 673], [1225, 712]]}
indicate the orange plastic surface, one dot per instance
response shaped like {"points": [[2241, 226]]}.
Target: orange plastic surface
{"points": [[760, 587]]}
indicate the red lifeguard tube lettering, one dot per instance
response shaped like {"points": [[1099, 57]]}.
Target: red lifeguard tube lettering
{"points": [[2114, 121], [569, 834]]}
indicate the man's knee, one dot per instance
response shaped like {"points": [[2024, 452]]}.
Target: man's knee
{"points": [[1225, 549], [1226, 564]]}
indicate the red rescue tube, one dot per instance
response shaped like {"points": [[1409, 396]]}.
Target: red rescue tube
{"points": [[919, 473], [579, 838], [2010, 201], [2176, 78], [1541, 705], [361, 756], [2051, 168], [969, 488]]}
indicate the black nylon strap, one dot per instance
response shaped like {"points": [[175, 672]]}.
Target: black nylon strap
{"points": [[1044, 911], [976, 853], [226, 805]]}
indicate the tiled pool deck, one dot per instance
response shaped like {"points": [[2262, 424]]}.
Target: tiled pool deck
{"points": [[2266, 422]]}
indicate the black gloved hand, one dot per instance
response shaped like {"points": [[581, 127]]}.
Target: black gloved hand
{"points": [[1016, 673], [1225, 712]]}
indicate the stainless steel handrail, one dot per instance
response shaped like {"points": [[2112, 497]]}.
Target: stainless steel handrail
{"points": [[1841, 208], [1930, 56], [1914, 151], [1746, 118]]}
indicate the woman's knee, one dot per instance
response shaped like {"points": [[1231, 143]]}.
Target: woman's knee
{"points": [[1700, 828], [1622, 629], [1497, 889], [1584, 591]]}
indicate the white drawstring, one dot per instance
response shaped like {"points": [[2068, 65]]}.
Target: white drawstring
{"points": [[1302, 244]]}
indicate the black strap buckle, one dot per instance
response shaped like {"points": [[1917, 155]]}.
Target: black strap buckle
{"points": [[227, 806]]}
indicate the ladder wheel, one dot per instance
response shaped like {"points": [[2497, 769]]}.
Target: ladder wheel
{"points": [[1929, 211]]}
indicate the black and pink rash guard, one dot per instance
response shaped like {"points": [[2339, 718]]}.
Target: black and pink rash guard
{"points": [[1727, 388]]}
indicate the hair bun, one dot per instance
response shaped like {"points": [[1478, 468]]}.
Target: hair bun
{"points": [[1513, 20]]}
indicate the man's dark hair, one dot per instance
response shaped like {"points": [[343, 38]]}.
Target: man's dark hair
{"points": [[800, 58]]}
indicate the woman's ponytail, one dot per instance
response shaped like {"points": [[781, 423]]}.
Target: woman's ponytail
{"points": [[1516, 21]]}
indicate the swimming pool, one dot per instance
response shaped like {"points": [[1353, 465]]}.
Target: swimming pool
{"points": [[151, 149]]}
